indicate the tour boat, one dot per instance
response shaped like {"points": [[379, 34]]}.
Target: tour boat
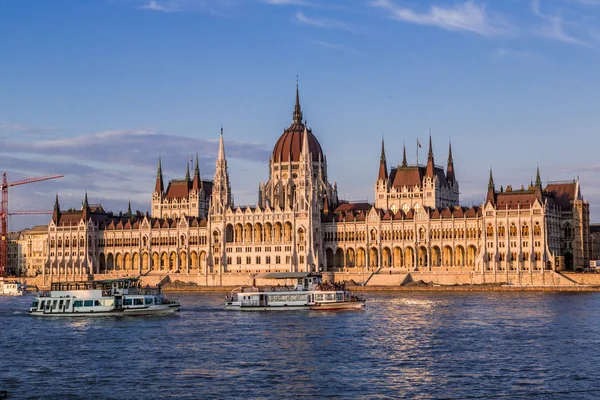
{"points": [[310, 293], [114, 297], [11, 288]]}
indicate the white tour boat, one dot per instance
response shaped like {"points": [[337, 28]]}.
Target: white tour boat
{"points": [[310, 293], [114, 297], [11, 287]]}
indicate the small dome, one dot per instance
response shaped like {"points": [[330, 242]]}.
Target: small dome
{"points": [[289, 145]]}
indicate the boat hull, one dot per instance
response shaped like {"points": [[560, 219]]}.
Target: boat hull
{"points": [[162, 309], [347, 305]]}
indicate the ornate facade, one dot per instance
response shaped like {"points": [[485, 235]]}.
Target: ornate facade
{"points": [[299, 224]]}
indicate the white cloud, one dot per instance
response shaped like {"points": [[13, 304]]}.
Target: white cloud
{"points": [[288, 2], [334, 46], [505, 53], [155, 6], [468, 16], [554, 27], [323, 22]]}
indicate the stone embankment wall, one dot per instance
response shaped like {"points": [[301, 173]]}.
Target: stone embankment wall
{"points": [[385, 278]]}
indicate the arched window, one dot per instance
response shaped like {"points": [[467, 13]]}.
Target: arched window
{"points": [[501, 231], [568, 231], [537, 229], [525, 229], [513, 230]]}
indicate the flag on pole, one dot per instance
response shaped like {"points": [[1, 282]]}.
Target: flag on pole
{"points": [[418, 143]]}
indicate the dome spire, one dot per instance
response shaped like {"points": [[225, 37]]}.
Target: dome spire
{"points": [[297, 110]]}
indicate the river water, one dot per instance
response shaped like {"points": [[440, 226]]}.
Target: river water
{"points": [[403, 345]]}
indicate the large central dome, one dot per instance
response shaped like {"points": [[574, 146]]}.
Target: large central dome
{"points": [[289, 145]]}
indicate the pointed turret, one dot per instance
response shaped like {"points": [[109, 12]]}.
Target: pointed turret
{"points": [[56, 214], [221, 195], [430, 163], [187, 172], [538, 180], [538, 185], [491, 192], [129, 208], [85, 209], [297, 110], [383, 173], [221, 155], [404, 163], [159, 187], [450, 170], [197, 182]]}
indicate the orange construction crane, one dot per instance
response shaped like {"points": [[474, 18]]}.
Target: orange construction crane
{"points": [[4, 213]]}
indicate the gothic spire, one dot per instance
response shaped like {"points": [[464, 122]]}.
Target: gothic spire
{"points": [[538, 180], [221, 155], [221, 193], [450, 170], [297, 110], [187, 172], [383, 174], [196, 183], [159, 187], [404, 163], [430, 164], [56, 214], [430, 154], [129, 208], [491, 192], [85, 201]]}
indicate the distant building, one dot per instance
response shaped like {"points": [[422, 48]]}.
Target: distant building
{"points": [[595, 241], [299, 224]]}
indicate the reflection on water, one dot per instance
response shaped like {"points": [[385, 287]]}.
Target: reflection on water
{"points": [[410, 345]]}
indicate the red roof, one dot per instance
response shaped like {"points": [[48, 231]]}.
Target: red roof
{"points": [[289, 145], [564, 193]]}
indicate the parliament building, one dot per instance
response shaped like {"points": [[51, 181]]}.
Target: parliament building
{"points": [[416, 223]]}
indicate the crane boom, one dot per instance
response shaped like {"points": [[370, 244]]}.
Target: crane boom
{"points": [[4, 213]]}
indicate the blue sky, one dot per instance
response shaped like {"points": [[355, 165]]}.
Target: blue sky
{"points": [[97, 90]]}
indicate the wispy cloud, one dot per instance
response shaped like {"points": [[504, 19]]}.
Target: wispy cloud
{"points": [[467, 16], [167, 6], [323, 22], [586, 2], [155, 6], [334, 46], [288, 2], [554, 27], [505, 53]]}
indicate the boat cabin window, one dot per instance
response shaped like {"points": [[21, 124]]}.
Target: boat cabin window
{"points": [[148, 300], [88, 303], [34, 304], [97, 303], [109, 302], [60, 304], [67, 303], [54, 304], [127, 302], [78, 303], [138, 302]]}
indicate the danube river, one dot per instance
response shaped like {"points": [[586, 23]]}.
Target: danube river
{"points": [[404, 345]]}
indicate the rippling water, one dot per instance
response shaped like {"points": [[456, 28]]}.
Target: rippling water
{"points": [[404, 345]]}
